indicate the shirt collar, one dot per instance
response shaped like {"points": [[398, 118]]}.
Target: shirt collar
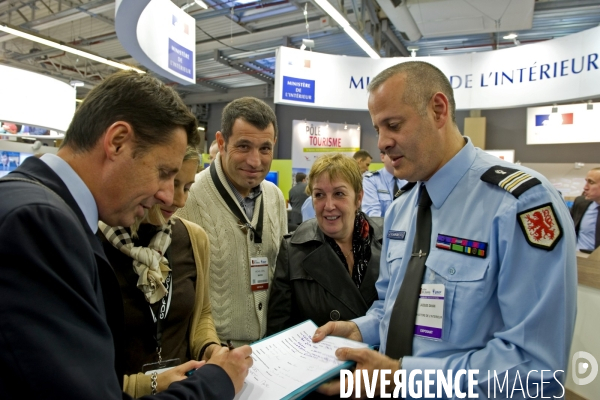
{"points": [[254, 192], [443, 181], [77, 187]]}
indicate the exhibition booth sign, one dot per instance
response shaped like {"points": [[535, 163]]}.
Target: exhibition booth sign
{"points": [[556, 70], [160, 36], [312, 139]]}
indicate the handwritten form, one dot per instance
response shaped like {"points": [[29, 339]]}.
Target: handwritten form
{"points": [[289, 360]]}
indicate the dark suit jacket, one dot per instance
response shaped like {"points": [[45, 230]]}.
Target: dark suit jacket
{"points": [[310, 281], [297, 197], [580, 205], [60, 304]]}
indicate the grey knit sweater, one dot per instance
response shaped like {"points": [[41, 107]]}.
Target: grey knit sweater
{"points": [[240, 315]]}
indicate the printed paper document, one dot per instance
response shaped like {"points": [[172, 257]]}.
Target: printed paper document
{"points": [[288, 365]]}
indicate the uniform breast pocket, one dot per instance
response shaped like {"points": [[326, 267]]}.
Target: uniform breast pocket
{"points": [[468, 291], [395, 253]]}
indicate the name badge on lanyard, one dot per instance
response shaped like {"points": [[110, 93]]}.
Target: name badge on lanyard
{"points": [[430, 312], [259, 273]]}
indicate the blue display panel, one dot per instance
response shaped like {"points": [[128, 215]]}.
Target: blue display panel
{"points": [[10, 160], [273, 176]]}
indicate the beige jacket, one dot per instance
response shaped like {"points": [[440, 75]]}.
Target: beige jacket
{"points": [[240, 314], [202, 321]]}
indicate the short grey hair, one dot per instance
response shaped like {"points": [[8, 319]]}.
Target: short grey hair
{"points": [[423, 80]]}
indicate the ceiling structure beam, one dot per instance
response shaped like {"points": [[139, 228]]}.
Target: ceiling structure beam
{"points": [[63, 17], [17, 7], [264, 91], [267, 14], [58, 71], [89, 12], [212, 85], [261, 56], [220, 11], [375, 23], [47, 7], [84, 42], [262, 36], [255, 71], [557, 5], [359, 21], [392, 38], [78, 11]]}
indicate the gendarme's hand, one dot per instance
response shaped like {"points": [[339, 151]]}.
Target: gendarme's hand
{"points": [[345, 329], [366, 359]]}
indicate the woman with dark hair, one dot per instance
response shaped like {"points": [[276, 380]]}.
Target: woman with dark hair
{"points": [[162, 263], [326, 270]]}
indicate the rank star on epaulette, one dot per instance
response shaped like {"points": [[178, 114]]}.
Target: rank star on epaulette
{"points": [[512, 180], [540, 226]]}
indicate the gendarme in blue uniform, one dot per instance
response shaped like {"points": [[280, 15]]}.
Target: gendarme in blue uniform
{"points": [[511, 308], [378, 190], [307, 210]]}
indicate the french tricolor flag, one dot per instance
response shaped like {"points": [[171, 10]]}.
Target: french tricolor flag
{"points": [[553, 119]]}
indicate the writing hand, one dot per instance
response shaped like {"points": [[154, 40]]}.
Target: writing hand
{"points": [[210, 350], [235, 362]]}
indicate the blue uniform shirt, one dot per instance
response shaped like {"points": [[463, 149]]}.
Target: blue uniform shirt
{"points": [[378, 190], [512, 310], [307, 210]]}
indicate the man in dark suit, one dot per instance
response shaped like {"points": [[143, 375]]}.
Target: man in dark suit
{"points": [[585, 213], [297, 197], [60, 303]]}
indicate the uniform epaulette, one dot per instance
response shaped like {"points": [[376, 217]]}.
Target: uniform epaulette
{"points": [[512, 180], [370, 174]]}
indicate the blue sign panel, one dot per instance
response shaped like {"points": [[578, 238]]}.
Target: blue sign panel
{"points": [[181, 60], [298, 89]]}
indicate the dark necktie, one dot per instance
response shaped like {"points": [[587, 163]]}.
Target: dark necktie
{"points": [[404, 313], [396, 193], [597, 228]]}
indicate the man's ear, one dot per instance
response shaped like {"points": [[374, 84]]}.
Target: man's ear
{"points": [[440, 108], [117, 137], [220, 142]]}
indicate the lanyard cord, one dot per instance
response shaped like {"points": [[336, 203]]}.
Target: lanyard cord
{"points": [[235, 209]]}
